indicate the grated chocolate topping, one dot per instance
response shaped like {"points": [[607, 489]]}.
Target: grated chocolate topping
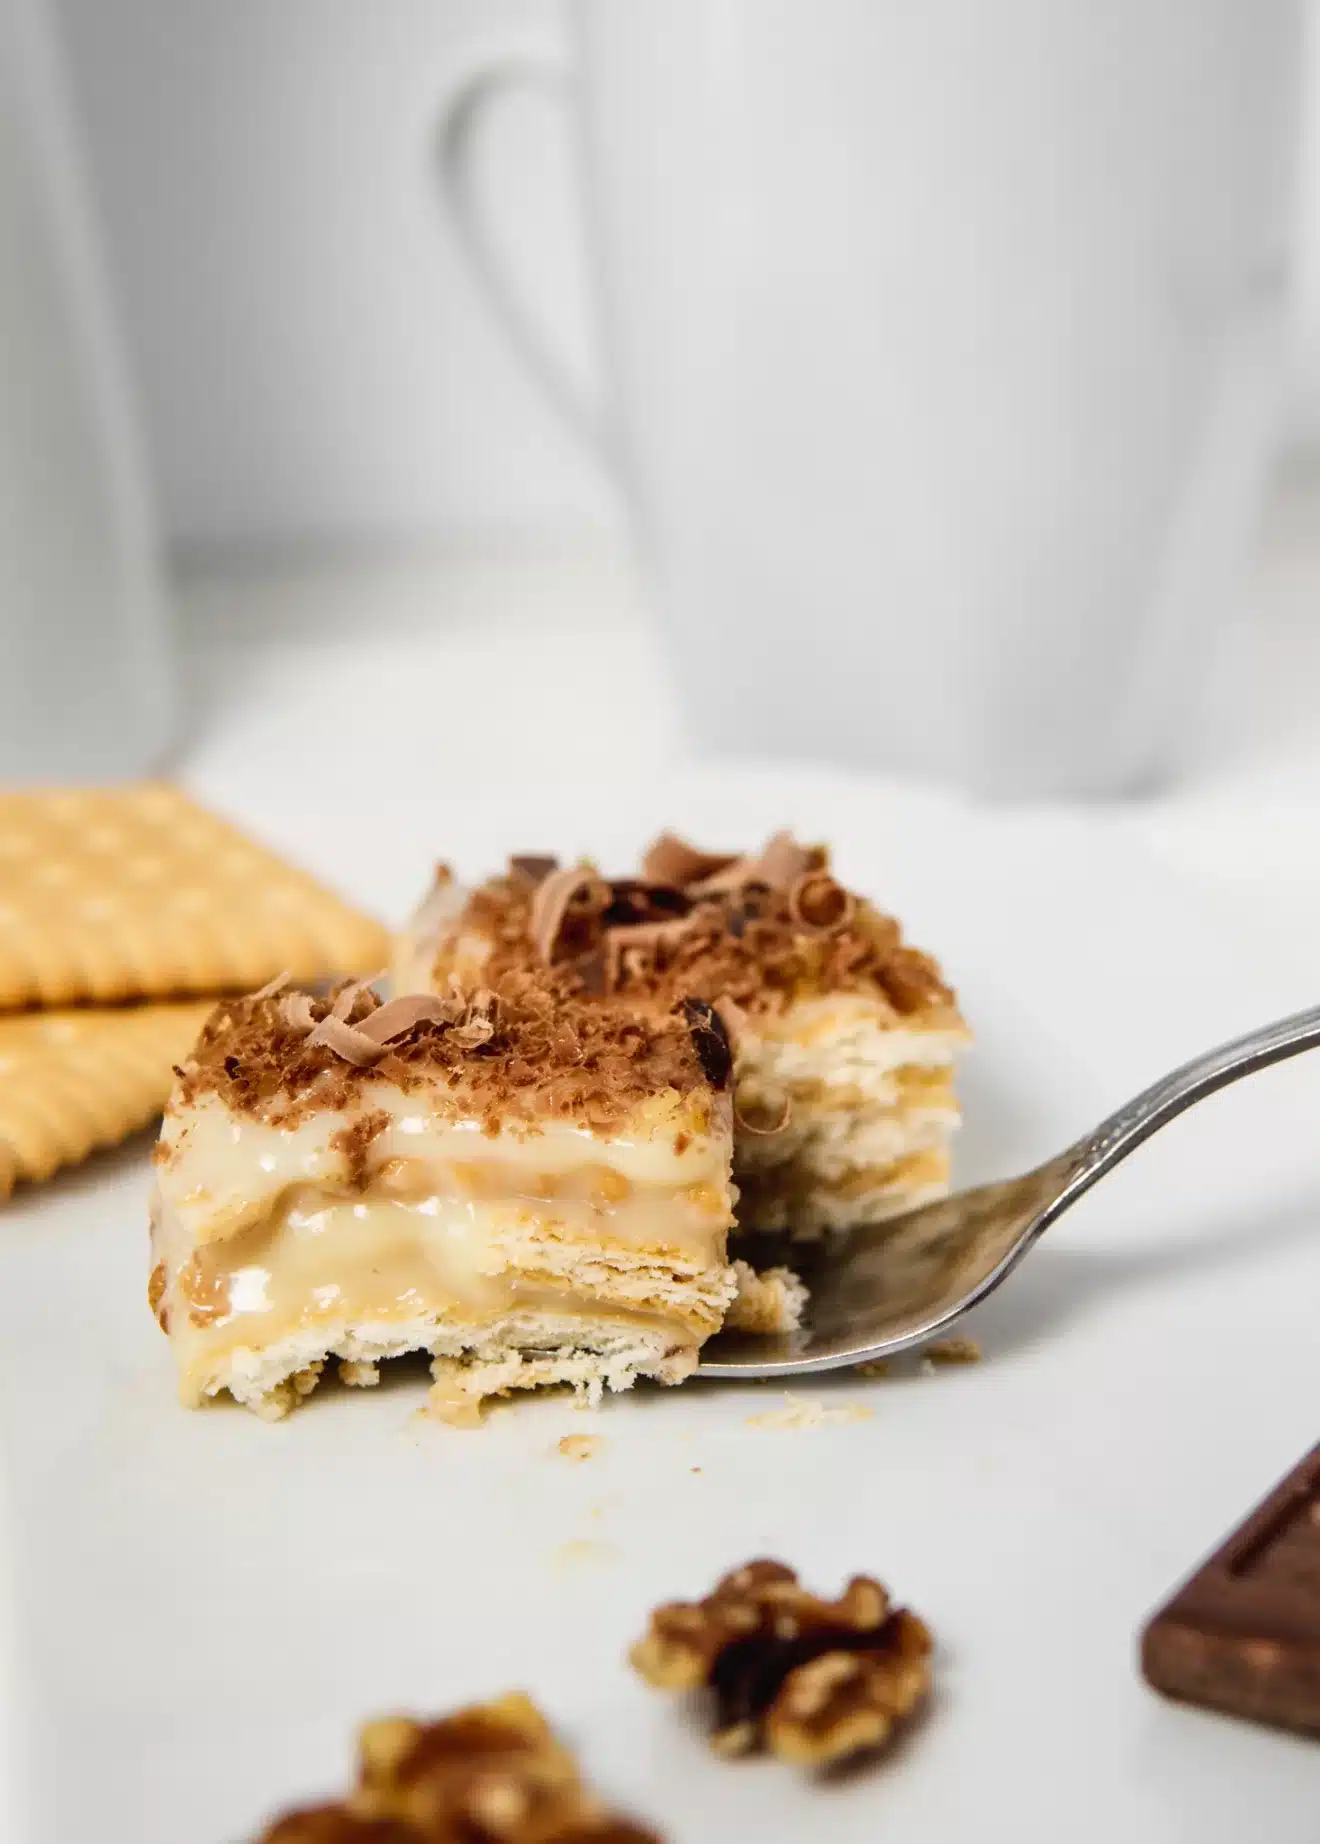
{"points": [[524, 1049], [711, 1039], [755, 931]]}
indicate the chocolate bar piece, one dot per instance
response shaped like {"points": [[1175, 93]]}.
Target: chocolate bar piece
{"points": [[1243, 1635]]}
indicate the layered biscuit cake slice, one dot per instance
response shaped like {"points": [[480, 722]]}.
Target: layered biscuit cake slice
{"points": [[528, 1188], [846, 1036]]}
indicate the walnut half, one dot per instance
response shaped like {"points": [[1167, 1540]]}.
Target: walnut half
{"points": [[491, 1774], [813, 1681]]}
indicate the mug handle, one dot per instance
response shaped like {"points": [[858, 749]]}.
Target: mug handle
{"points": [[490, 73]]}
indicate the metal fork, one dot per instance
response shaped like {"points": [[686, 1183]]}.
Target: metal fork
{"points": [[888, 1287]]}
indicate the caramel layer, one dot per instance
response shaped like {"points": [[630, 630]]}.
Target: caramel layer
{"points": [[794, 1189]]}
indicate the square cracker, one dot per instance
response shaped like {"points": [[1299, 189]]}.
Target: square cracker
{"points": [[137, 892], [73, 1081]]}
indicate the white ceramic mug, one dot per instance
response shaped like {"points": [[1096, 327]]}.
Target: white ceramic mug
{"points": [[86, 674], [941, 350]]}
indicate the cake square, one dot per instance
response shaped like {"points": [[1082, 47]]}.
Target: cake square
{"points": [[529, 1188], [845, 1035]]}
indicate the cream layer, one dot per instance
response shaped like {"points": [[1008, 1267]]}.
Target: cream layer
{"points": [[847, 1039], [219, 1171], [831, 1130], [800, 1203]]}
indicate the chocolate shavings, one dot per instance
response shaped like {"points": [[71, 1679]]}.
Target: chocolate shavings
{"points": [[820, 904], [534, 866], [751, 1123], [671, 860], [399, 1016], [555, 896], [710, 1040]]}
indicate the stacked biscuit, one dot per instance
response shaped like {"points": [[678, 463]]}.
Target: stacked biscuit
{"points": [[124, 912]]}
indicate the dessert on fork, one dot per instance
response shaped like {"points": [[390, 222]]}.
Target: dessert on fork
{"points": [[845, 1036], [529, 1187]]}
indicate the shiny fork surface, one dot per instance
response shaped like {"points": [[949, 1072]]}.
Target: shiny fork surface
{"points": [[887, 1287]]}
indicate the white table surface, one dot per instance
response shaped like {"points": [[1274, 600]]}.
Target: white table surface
{"points": [[317, 686]]}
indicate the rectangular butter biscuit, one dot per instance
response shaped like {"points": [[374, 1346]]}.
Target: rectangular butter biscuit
{"points": [[72, 1081], [136, 892]]}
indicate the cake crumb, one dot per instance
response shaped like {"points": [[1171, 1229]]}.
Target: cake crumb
{"points": [[276, 1403], [806, 1412], [958, 1350], [579, 1446], [772, 1301], [359, 1373], [588, 1552], [878, 1367], [452, 1406]]}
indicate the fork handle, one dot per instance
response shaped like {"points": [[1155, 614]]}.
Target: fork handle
{"points": [[1098, 1152]]}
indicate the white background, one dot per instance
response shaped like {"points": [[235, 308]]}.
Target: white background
{"points": [[312, 359]]}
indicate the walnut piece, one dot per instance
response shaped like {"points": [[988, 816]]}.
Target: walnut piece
{"points": [[813, 1681], [336, 1825], [490, 1774]]}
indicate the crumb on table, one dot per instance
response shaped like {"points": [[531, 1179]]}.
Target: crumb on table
{"points": [[959, 1350], [579, 1446], [808, 1412]]}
